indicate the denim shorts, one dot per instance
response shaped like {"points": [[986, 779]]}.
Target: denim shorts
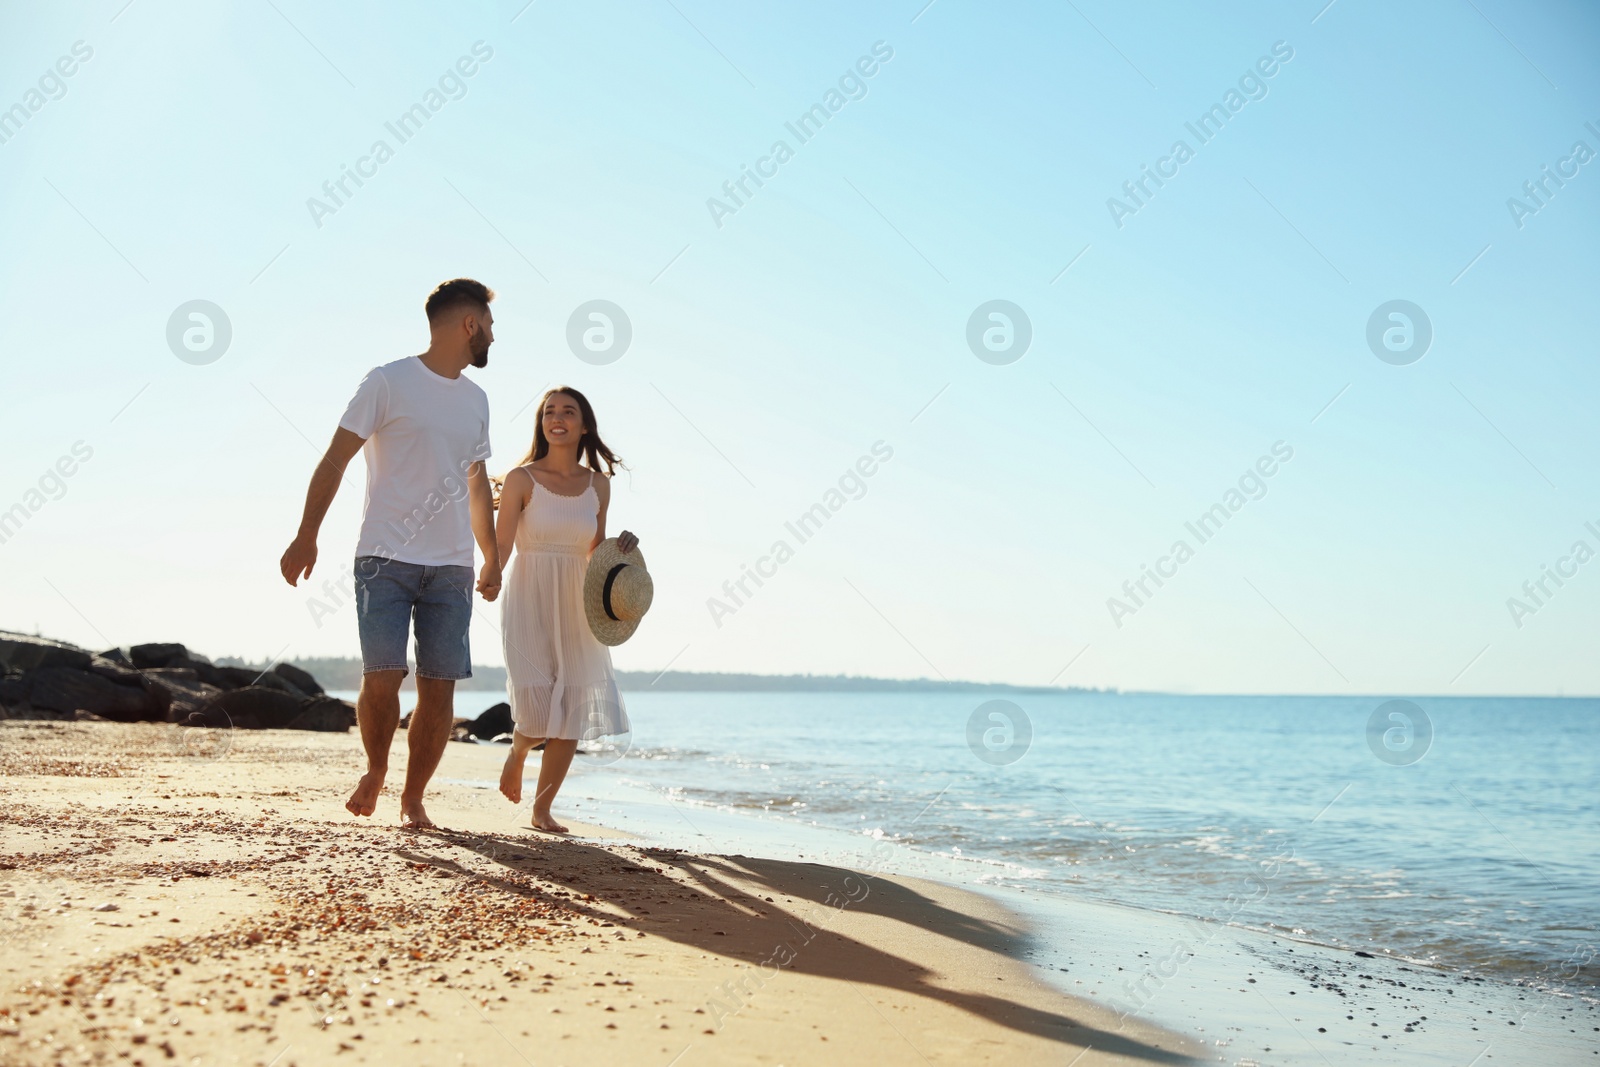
{"points": [[389, 592]]}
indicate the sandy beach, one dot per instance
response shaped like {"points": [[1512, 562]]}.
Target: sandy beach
{"points": [[198, 897]]}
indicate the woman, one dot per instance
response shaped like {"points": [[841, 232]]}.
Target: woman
{"points": [[553, 509]]}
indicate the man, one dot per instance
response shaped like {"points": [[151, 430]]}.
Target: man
{"points": [[425, 431]]}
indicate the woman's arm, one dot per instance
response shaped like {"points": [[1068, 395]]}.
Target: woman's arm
{"points": [[625, 540], [514, 496]]}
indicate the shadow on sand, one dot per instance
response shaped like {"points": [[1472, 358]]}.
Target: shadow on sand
{"points": [[786, 922]]}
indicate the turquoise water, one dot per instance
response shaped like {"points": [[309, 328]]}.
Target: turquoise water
{"points": [[1483, 855]]}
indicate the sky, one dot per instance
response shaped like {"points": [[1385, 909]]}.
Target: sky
{"points": [[1183, 338]]}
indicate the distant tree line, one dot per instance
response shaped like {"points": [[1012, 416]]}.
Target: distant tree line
{"points": [[345, 673]]}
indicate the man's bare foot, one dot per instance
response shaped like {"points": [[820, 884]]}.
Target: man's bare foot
{"points": [[511, 774], [364, 801], [542, 820], [413, 817]]}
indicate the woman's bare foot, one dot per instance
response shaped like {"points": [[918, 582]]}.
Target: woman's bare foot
{"points": [[542, 820], [511, 774], [364, 801], [413, 817]]}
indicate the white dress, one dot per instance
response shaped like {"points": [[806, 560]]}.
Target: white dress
{"points": [[559, 679]]}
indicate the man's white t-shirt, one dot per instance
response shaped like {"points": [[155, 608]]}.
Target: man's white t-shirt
{"points": [[423, 433]]}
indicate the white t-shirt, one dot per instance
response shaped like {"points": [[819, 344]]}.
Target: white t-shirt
{"points": [[423, 433]]}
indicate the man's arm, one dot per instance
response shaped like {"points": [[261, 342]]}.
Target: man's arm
{"points": [[480, 502], [301, 554]]}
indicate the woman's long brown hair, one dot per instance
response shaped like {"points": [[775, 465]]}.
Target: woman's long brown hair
{"points": [[592, 451]]}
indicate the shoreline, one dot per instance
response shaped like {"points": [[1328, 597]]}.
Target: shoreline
{"points": [[1249, 993], [825, 939], [169, 901]]}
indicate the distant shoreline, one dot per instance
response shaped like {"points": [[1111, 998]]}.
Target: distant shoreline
{"points": [[345, 673]]}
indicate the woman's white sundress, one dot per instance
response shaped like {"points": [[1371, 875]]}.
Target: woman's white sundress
{"points": [[559, 678]]}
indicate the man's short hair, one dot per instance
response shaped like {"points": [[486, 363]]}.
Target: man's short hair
{"points": [[457, 293]]}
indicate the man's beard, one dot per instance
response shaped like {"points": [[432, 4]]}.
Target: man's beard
{"points": [[480, 355]]}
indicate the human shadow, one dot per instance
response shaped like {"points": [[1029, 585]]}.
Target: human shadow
{"points": [[703, 907]]}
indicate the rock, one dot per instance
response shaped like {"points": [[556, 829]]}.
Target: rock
{"points": [[488, 726], [173, 656], [88, 716], [68, 690], [263, 708], [325, 713], [186, 674], [117, 655], [243, 676], [13, 690], [239, 677], [116, 672], [301, 680], [255, 707], [24, 653], [160, 694], [203, 668], [183, 692], [493, 722], [156, 654]]}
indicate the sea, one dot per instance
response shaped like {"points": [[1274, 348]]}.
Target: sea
{"points": [[1459, 833]]}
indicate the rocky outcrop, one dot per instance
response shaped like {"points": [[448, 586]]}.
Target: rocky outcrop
{"points": [[491, 723], [158, 682], [494, 722], [23, 653], [156, 654], [298, 678], [254, 707], [176, 656], [243, 676], [324, 713], [120, 673], [66, 689], [183, 691]]}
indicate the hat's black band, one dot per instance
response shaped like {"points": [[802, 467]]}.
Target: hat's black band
{"points": [[605, 595]]}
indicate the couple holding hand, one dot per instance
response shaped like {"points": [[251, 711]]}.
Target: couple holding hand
{"points": [[568, 594]]}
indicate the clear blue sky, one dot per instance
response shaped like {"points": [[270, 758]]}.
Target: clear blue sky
{"points": [[176, 162]]}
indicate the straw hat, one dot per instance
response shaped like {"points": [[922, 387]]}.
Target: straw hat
{"points": [[617, 591]]}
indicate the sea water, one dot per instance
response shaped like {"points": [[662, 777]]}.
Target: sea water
{"points": [[1477, 849]]}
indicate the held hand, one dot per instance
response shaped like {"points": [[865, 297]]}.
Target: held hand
{"points": [[626, 541], [489, 581], [298, 559]]}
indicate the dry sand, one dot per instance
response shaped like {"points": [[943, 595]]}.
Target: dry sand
{"points": [[201, 897]]}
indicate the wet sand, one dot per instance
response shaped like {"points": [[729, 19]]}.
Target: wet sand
{"points": [[170, 895]]}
